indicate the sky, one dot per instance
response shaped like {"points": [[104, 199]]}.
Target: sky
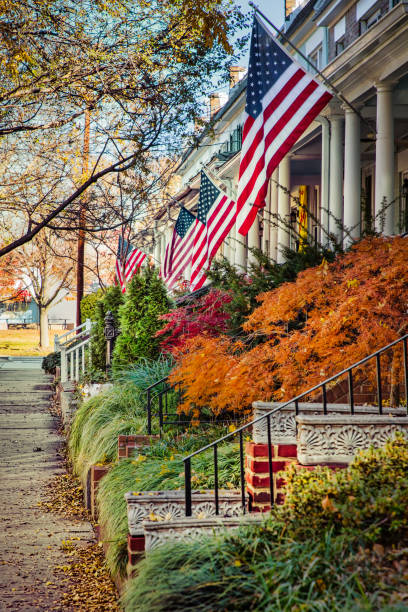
{"points": [[273, 9]]}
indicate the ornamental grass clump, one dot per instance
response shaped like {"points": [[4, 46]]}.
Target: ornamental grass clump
{"points": [[159, 468], [340, 542], [99, 421], [146, 372]]}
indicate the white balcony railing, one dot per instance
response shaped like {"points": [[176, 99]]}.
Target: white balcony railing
{"points": [[72, 346]]}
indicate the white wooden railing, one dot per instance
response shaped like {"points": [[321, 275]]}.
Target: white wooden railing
{"points": [[72, 347]]}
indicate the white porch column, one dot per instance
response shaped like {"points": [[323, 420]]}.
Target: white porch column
{"points": [[384, 159], [273, 230], [352, 176], [283, 208], [253, 240], [240, 251], [325, 180], [166, 237], [229, 243], [266, 223], [336, 176]]}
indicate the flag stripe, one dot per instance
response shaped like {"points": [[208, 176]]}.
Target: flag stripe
{"points": [[251, 144], [179, 254], [276, 122], [282, 100], [217, 214]]}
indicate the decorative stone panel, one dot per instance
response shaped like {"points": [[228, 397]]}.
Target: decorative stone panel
{"points": [[336, 439], [187, 528], [169, 505], [283, 422]]}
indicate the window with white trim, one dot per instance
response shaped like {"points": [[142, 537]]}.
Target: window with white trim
{"points": [[316, 57], [369, 20]]}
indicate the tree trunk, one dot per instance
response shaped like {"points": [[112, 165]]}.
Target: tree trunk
{"points": [[44, 336], [81, 234]]}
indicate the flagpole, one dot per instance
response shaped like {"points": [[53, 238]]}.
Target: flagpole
{"points": [[325, 79]]}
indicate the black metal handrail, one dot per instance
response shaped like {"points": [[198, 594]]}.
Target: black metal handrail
{"points": [[151, 393], [162, 400], [295, 400]]}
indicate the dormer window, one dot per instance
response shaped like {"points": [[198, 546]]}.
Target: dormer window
{"points": [[368, 21]]}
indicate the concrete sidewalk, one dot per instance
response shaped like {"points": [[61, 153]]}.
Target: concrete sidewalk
{"points": [[30, 456]]}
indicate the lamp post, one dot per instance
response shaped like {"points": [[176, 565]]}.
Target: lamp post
{"points": [[111, 333]]}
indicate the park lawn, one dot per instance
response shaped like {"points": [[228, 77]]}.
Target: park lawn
{"points": [[24, 342]]}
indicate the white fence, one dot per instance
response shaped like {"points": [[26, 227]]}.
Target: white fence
{"points": [[72, 346]]}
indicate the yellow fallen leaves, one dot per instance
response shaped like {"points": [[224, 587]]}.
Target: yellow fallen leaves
{"points": [[86, 580], [64, 495]]}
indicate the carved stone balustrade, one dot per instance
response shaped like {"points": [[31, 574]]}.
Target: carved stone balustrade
{"points": [[169, 505], [336, 439], [184, 529], [283, 422]]}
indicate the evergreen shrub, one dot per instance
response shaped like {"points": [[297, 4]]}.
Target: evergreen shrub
{"points": [[111, 300], [88, 305], [50, 362], [145, 300]]}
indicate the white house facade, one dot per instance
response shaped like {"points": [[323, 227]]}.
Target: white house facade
{"points": [[354, 165]]}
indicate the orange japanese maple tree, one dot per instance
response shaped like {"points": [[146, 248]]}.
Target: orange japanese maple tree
{"points": [[330, 317]]}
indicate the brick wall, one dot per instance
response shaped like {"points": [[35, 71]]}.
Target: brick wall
{"points": [[97, 472], [257, 473], [128, 445], [353, 27]]}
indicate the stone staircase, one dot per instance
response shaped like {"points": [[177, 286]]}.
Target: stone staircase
{"points": [[298, 432], [311, 438]]}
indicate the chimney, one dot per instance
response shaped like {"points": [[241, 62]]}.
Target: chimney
{"points": [[216, 101], [236, 73], [290, 6]]}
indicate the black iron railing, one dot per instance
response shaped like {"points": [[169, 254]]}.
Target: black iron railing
{"points": [[162, 402], [162, 399], [295, 400]]}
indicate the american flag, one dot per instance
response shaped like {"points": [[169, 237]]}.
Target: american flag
{"points": [[128, 261], [282, 100], [180, 249], [216, 216]]}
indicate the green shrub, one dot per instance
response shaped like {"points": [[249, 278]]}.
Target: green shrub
{"points": [[338, 543], [369, 497], [111, 300], [88, 305], [50, 362], [145, 300]]}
